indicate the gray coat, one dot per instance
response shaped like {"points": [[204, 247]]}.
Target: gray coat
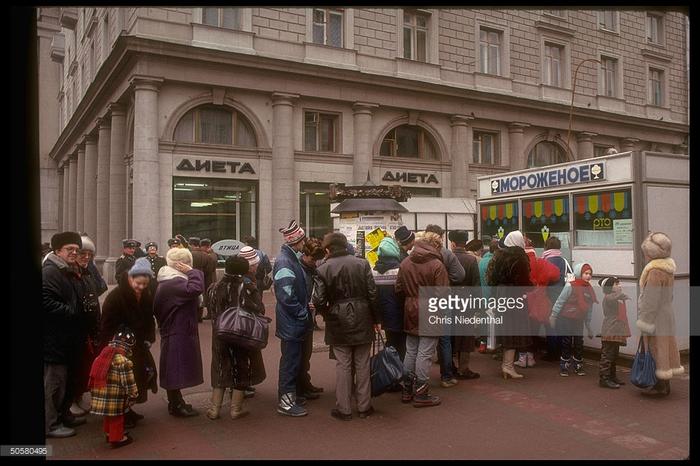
{"points": [[454, 268], [346, 297]]}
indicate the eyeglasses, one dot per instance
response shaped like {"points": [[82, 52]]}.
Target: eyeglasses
{"points": [[71, 249]]}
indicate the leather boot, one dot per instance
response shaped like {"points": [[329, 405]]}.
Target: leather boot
{"points": [[658, 390], [217, 399], [237, 404], [607, 382], [408, 387], [507, 367], [613, 374], [423, 398]]}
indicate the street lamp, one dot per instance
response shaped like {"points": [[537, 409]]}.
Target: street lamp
{"points": [[571, 110]]}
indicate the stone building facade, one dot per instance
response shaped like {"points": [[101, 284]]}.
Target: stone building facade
{"points": [[223, 122]]}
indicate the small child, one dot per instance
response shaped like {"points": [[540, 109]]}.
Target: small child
{"points": [[574, 307], [614, 332], [113, 387]]}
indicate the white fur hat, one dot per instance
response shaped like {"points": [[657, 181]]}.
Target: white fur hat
{"points": [[657, 246], [87, 243], [178, 254]]}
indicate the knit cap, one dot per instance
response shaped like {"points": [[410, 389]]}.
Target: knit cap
{"points": [[293, 233], [249, 254], [141, 267]]}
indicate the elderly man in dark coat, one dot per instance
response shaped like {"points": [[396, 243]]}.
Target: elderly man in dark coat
{"points": [[346, 297], [175, 308]]}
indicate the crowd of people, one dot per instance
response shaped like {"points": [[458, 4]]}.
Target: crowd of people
{"points": [[107, 351]]}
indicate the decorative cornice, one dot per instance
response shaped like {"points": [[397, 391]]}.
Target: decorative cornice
{"points": [[283, 98], [146, 83], [116, 109], [656, 55], [554, 28], [363, 107], [460, 120]]}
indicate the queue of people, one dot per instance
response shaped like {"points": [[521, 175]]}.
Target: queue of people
{"points": [[107, 351]]}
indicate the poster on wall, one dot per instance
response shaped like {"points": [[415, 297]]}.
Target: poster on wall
{"points": [[622, 230], [374, 228]]}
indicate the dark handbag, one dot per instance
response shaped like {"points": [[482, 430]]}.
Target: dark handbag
{"points": [[386, 367], [151, 371], [239, 327], [644, 367]]}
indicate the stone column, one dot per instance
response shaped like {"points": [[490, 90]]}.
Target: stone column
{"points": [[628, 144], [461, 149], [80, 193], [102, 218], [60, 198], [117, 190], [65, 207], [517, 156], [362, 141], [73, 192], [585, 145], [284, 201], [90, 201], [146, 178]]}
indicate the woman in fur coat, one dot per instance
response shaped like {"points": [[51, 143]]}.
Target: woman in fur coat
{"points": [[655, 310]]}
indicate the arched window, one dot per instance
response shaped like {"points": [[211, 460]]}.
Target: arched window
{"points": [[545, 153], [409, 141], [215, 124]]}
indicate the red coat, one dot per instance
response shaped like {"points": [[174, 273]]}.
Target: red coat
{"points": [[542, 274]]}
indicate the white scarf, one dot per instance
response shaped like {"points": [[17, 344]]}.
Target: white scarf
{"points": [[168, 273]]}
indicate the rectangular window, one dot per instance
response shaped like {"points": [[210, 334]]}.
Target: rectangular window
{"points": [[609, 77], [415, 36], [497, 220], [328, 27], [486, 148], [608, 20], [542, 218], [490, 51], [654, 29], [552, 64], [214, 208], [656, 78], [229, 18], [603, 219], [315, 209], [321, 132], [213, 126]]}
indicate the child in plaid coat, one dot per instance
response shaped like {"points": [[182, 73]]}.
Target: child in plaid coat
{"points": [[113, 387]]}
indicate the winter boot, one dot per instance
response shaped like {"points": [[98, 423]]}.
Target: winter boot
{"points": [[237, 410], [530, 359], [423, 398], [578, 367], [507, 367], [564, 365], [289, 407], [408, 387], [522, 360], [613, 374], [607, 382], [217, 398]]}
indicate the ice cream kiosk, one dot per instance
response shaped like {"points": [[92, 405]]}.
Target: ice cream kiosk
{"points": [[601, 209]]}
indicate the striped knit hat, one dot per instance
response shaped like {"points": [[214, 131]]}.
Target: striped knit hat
{"points": [[249, 254], [293, 233]]}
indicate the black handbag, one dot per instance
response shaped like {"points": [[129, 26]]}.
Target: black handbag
{"points": [[239, 327], [386, 367]]}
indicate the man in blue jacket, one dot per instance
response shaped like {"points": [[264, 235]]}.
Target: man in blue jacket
{"points": [[293, 319]]}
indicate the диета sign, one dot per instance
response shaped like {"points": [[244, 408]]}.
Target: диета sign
{"points": [[554, 177]]}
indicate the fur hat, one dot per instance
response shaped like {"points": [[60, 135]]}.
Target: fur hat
{"points": [[249, 254], [67, 237], [87, 243], [403, 235], [458, 236], [606, 283], [293, 233], [236, 265], [141, 267], [657, 246], [178, 254]]}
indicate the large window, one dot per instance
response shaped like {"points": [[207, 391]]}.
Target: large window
{"points": [[608, 20], [497, 220], [545, 153], [656, 80], [655, 28], [415, 36], [543, 218], [328, 27], [230, 18], [486, 148], [490, 51], [409, 141], [553, 55], [321, 132], [214, 208], [215, 124], [603, 219], [315, 209], [609, 76]]}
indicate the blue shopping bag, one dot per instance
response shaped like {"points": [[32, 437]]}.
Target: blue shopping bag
{"points": [[644, 367], [386, 367]]}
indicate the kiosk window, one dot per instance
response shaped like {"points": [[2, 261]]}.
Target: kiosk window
{"points": [[544, 218], [497, 220], [603, 219]]}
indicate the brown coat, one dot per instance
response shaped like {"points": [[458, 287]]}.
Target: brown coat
{"points": [[614, 329], [656, 316], [423, 267]]}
